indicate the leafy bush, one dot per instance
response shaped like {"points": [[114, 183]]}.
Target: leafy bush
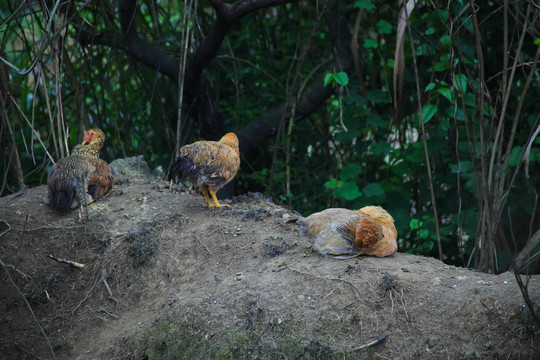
{"points": [[436, 119]]}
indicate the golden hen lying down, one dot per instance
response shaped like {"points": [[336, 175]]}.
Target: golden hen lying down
{"points": [[82, 177], [210, 165], [348, 233]]}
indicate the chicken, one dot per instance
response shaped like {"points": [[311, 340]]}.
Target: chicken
{"points": [[348, 233], [210, 165], [82, 177]]}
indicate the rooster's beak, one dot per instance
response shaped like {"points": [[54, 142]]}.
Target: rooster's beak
{"points": [[87, 138]]}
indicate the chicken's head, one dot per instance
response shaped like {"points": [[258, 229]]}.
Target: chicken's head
{"points": [[94, 136]]}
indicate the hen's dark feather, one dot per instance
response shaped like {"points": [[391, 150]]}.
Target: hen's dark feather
{"points": [[205, 163], [64, 193]]}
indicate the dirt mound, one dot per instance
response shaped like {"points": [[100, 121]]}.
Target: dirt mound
{"points": [[165, 278]]}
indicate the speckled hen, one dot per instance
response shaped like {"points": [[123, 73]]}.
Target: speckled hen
{"points": [[82, 177]]}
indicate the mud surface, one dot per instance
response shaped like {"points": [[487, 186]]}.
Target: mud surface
{"points": [[164, 277]]}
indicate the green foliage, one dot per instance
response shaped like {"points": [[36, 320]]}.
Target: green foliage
{"points": [[428, 111], [369, 43], [340, 78], [347, 190], [422, 242], [361, 147], [384, 27], [365, 4]]}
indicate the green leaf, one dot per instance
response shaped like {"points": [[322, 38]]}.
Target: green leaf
{"points": [[445, 42], [444, 125], [446, 92], [515, 156], [460, 83], [355, 99], [467, 24], [443, 14], [364, 4], [384, 27], [370, 43], [341, 78], [430, 87], [462, 167], [425, 49], [430, 31], [373, 189], [286, 196], [377, 96], [424, 234], [375, 120], [537, 41], [455, 112], [415, 153], [348, 191], [428, 111], [259, 176], [328, 78], [380, 148], [331, 184], [347, 136], [470, 100], [415, 224], [442, 65], [350, 171], [427, 245]]}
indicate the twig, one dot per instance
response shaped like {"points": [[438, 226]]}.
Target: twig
{"points": [[33, 130], [325, 278], [424, 142], [52, 228], [528, 150], [8, 228], [370, 344], [103, 278], [70, 262], [203, 244], [86, 296], [25, 350], [349, 304], [404, 308], [108, 313], [508, 328]]}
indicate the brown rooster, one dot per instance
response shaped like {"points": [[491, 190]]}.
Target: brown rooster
{"points": [[348, 233], [210, 165], [82, 177]]}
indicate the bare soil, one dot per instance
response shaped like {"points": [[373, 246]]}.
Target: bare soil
{"points": [[166, 278]]}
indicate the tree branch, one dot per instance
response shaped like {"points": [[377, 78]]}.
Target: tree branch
{"points": [[210, 122], [197, 92], [314, 96], [130, 41]]}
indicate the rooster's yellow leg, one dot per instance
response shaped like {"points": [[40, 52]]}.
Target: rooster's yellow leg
{"points": [[204, 191], [216, 202]]}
